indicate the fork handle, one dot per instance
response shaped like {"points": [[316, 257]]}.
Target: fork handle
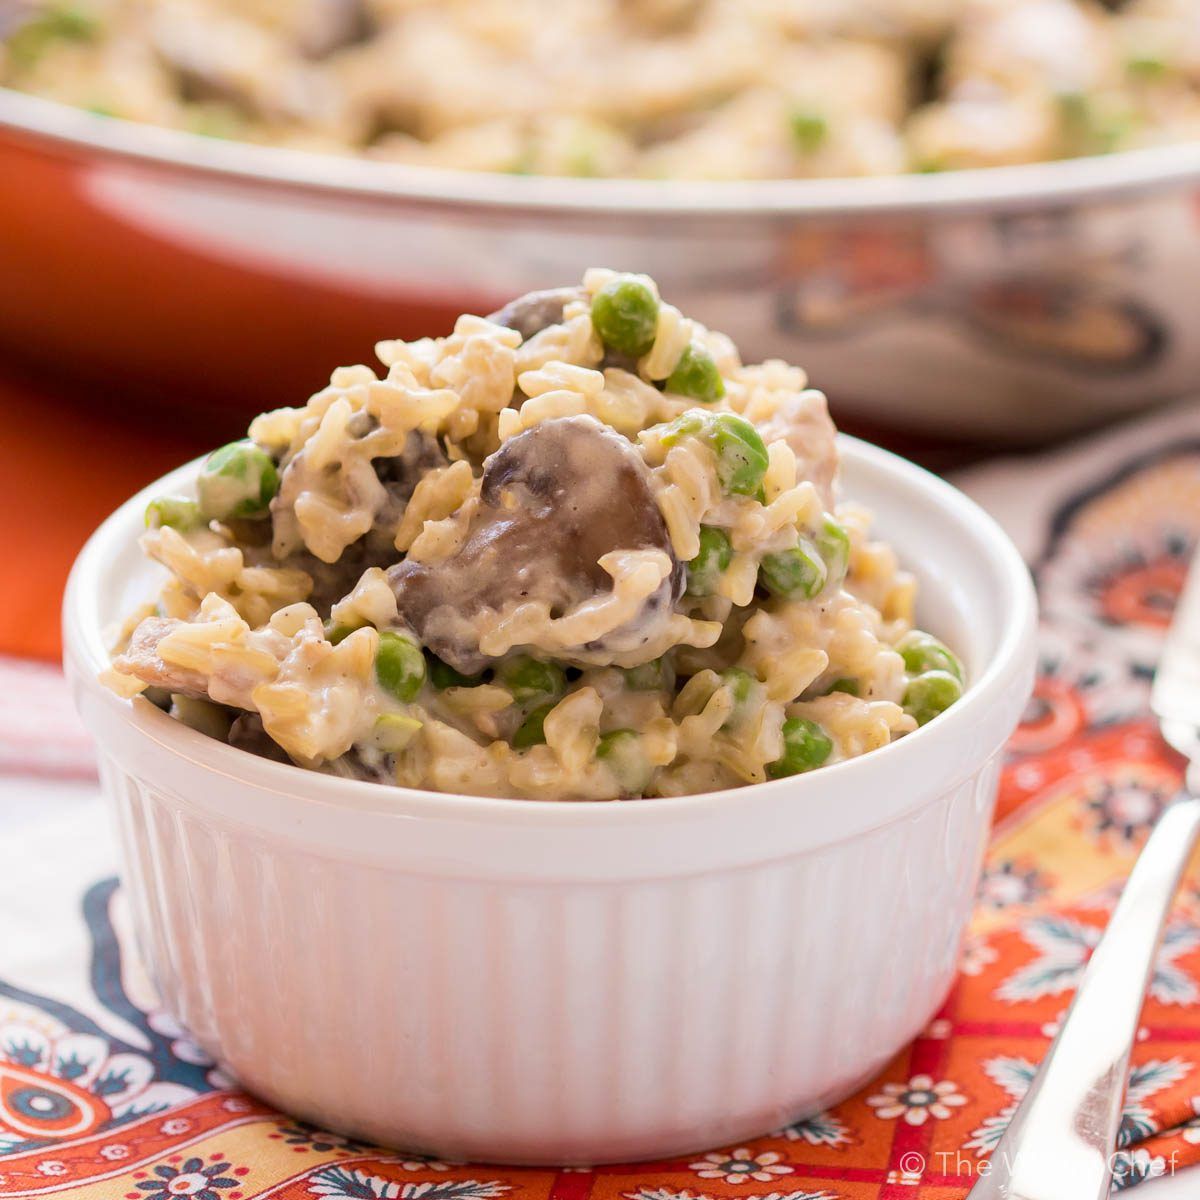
{"points": [[1061, 1140]]}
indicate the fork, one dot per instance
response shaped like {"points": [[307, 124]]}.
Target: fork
{"points": [[1062, 1138]]}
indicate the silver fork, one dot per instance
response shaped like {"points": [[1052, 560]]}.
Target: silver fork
{"points": [[1062, 1138]]}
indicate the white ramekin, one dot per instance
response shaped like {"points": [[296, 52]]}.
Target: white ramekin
{"points": [[565, 983]]}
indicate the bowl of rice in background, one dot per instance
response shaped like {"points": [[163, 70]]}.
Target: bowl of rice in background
{"points": [[536, 982], [392, 171]]}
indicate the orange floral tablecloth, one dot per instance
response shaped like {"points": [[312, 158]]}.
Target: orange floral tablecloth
{"points": [[103, 1097]]}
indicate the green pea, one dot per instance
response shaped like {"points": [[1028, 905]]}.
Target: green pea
{"points": [[532, 730], [1095, 127], [174, 511], [71, 22], [393, 731], [833, 543], [523, 161], [848, 686], [583, 155], [399, 666], [693, 423], [696, 375], [741, 455], [1146, 65], [337, 632], [1074, 107], [621, 752], [743, 686], [930, 694], [705, 570], [654, 676], [923, 652], [809, 129], [219, 121], [54, 23], [442, 675], [210, 719], [625, 315], [531, 679], [238, 480], [798, 573], [805, 746]]}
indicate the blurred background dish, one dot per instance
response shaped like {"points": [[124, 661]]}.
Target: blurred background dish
{"points": [[1013, 303], [678, 89]]}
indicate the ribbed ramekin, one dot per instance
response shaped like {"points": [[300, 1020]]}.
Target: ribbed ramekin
{"points": [[565, 983]]}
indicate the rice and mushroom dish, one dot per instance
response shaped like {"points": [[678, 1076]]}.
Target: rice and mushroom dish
{"points": [[575, 550], [704, 89]]}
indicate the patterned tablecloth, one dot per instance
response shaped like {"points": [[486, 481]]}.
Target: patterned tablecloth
{"points": [[103, 1096]]}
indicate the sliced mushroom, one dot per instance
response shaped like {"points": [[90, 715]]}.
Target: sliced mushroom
{"points": [[219, 57], [231, 680], [373, 766], [803, 421], [141, 660], [326, 26], [535, 311], [247, 733], [554, 501], [660, 17], [332, 581], [400, 475], [377, 500], [179, 36]]}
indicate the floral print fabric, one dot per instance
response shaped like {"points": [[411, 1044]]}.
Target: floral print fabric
{"points": [[111, 1100]]}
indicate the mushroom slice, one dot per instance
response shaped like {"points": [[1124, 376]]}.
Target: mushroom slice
{"points": [[247, 733], [400, 474], [142, 660], [802, 420], [535, 311], [371, 498], [554, 501], [326, 26]]}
